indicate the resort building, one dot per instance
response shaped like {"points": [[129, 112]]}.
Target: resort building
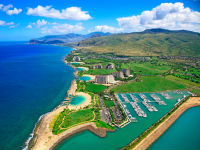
{"points": [[126, 72], [110, 66], [99, 66], [119, 74], [76, 58], [105, 79]]}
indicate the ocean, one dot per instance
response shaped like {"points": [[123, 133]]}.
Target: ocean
{"points": [[33, 81], [183, 134]]}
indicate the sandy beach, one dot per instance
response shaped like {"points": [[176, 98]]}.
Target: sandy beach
{"points": [[157, 132], [85, 68], [45, 140], [91, 76], [87, 102]]}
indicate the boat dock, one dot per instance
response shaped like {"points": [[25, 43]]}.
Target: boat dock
{"points": [[157, 99], [138, 110], [125, 98], [166, 95], [133, 97], [144, 98], [149, 106]]}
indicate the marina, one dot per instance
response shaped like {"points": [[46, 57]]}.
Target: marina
{"points": [[141, 105], [157, 99], [138, 110]]}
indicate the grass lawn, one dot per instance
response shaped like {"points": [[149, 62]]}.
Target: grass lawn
{"points": [[146, 68], [109, 103], [66, 119], [183, 81], [100, 71], [94, 88], [194, 87], [149, 84], [103, 125], [94, 61]]}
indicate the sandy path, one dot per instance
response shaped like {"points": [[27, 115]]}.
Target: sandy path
{"points": [[156, 133]]}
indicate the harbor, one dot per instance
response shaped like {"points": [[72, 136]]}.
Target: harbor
{"points": [[142, 105]]}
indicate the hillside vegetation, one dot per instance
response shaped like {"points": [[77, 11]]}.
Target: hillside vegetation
{"points": [[154, 42]]}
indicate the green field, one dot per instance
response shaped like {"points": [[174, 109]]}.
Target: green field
{"points": [[149, 84], [100, 71], [109, 103], [102, 124], [94, 88], [67, 119], [90, 87], [146, 68], [192, 86]]}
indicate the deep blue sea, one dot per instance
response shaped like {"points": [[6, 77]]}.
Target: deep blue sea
{"points": [[183, 134], [33, 81]]}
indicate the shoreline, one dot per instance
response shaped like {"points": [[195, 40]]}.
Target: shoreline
{"points": [[42, 136], [161, 128]]}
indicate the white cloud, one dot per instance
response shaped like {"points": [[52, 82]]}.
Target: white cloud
{"points": [[1, 6], [29, 26], [105, 28], [167, 15], [10, 11], [71, 13], [62, 29], [40, 23], [3, 23], [14, 11]]}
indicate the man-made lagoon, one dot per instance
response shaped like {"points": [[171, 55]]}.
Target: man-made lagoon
{"points": [[80, 69], [77, 100], [85, 78]]}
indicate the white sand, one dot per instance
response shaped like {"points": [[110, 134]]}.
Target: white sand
{"points": [[91, 76], [87, 102], [86, 69]]}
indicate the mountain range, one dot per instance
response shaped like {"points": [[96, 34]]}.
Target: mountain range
{"points": [[151, 42]]}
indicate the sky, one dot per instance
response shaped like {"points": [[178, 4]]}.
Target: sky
{"points": [[22, 20]]}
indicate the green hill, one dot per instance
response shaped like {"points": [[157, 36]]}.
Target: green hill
{"points": [[153, 42]]}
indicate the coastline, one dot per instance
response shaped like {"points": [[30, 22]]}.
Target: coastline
{"points": [[42, 136], [158, 131]]}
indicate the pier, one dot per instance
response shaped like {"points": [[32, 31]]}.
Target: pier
{"points": [[138, 110], [125, 98], [144, 98], [157, 99], [149, 106], [166, 95], [133, 97]]}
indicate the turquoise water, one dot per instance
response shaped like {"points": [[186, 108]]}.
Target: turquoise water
{"points": [[122, 136], [85, 78], [75, 63], [184, 134], [80, 69], [77, 100], [33, 81]]}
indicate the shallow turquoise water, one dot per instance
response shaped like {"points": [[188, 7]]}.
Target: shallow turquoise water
{"points": [[80, 69], [184, 134], [33, 81], [77, 100], [122, 136], [85, 78]]}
